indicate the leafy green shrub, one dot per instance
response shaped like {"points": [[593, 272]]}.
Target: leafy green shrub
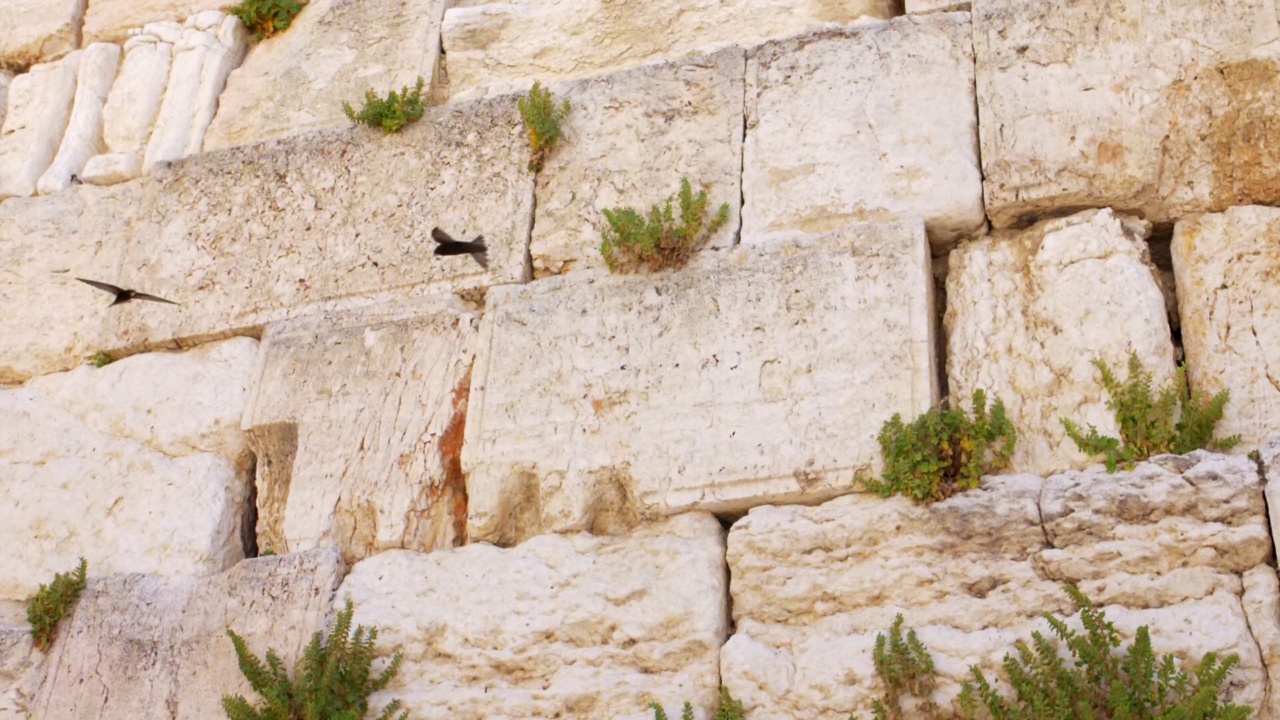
{"points": [[99, 359], [398, 110], [905, 667], [631, 242], [542, 121], [333, 678], [1152, 425], [729, 708], [265, 18], [944, 451], [53, 602]]}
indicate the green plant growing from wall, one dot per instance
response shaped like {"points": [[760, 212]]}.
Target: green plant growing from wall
{"points": [[944, 451], [542, 119], [53, 602], [265, 18], [99, 359], [333, 680], [906, 668], [729, 709], [1151, 423], [658, 242], [393, 113]]}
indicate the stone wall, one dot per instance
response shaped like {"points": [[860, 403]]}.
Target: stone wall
{"points": [[562, 493]]}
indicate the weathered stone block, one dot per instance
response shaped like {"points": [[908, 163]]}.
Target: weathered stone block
{"points": [[685, 118], [753, 375], [867, 124], [1027, 313], [561, 626], [22, 667], [1129, 104], [357, 421], [39, 107], [34, 31], [83, 136], [1229, 299], [336, 50], [111, 20], [135, 97]]}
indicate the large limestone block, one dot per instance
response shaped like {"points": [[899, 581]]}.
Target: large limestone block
{"points": [[138, 467], [39, 107], [1027, 313], [176, 121], [507, 45], [753, 375], [83, 137], [1228, 273], [867, 124], [141, 647], [135, 97], [1133, 104], [33, 31], [111, 20], [336, 50], [684, 119], [224, 56], [357, 422], [561, 626]]}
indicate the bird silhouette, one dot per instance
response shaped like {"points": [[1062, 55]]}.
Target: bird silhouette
{"points": [[123, 295], [448, 246]]}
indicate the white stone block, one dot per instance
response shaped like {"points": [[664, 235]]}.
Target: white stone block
{"points": [[1229, 301], [869, 124], [175, 123], [169, 31], [112, 168], [233, 36], [111, 20], [1028, 312], [37, 31], [135, 97], [754, 375], [577, 626], [206, 19], [684, 118], [39, 107], [213, 78], [83, 137]]}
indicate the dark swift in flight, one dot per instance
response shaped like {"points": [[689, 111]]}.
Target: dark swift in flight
{"points": [[122, 295], [449, 246]]}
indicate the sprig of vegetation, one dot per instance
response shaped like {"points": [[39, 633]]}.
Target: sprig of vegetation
{"points": [[53, 602], [1151, 424], [542, 122], [729, 709], [265, 18], [906, 668], [944, 451], [393, 113], [99, 359], [632, 242], [334, 678]]}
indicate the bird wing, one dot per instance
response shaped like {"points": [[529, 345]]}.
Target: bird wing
{"points": [[441, 236], [102, 286], [152, 298]]}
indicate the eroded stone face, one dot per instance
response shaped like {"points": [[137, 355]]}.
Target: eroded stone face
{"points": [[1228, 272], [561, 626], [34, 31], [111, 20], [869, 124], [1028, 312], [754, 375]]}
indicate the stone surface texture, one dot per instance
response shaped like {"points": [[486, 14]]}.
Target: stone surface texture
{"points": [[83, 136], [139, 466], [753, 375], [686, 120], [111, 20], [334, 49], [927, 6], [135, 97], [22, 667], [1165, 545], [142, 647], [507, 45], [357, 424], [1228, 272], [868, 124], [1027, 313], [39, 107], [6, 77], [1128, 105], [35, 31], [561, 626]]}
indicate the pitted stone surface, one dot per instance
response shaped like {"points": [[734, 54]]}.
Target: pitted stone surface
{"points": [[34, 31]]}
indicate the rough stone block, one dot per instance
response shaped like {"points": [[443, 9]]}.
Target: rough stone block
{"points": [[867, 124], [22, 667], [83, 136], [111, 20], [561, 626], [1131, 104], [754, 375], [139, 466], [34, 31], [39, 107], [1027, 313], [506, 46], [336, 50], [685, 118], [1228, 276], [357, 421]]}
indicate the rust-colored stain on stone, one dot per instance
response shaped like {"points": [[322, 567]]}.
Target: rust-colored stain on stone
{"points": [[453, 486]]}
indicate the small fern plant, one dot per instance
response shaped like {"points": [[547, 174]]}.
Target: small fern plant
{"points": [[265, 18], [542, 119], [944, 451], [1173, 420], [729, 709], [658, 242], [333, 680], [393, 113], [905, 667], [53, 602]]}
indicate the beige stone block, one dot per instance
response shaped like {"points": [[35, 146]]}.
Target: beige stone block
{"points": [[39, 107], [111, 20], [685, 120], [754, 375], [1028, 312], [83, 136], [36, 31], [869, 124], [1228, 270]]}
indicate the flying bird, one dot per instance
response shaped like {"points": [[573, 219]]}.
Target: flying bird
{"points": [[122, 295], [449, 246]]}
